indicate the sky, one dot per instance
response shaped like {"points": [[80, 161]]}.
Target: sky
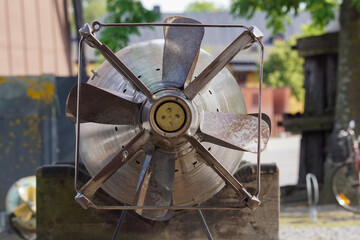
{"points": [[175, 6]]}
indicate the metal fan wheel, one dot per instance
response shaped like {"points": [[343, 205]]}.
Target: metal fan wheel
{"points": [[21, 200], [195, 182]]}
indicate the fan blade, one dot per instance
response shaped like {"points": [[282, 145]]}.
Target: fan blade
{"points": [[31, 193], [24, 212], [23, 193], [155, 185], [92, 41], [100, 106], [168, 21], [242, 42], [129, 151], [181, 50], [234, 130], [264, 117], [27, 216], [251, 201]]}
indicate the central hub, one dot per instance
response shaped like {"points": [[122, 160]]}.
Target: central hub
{"points": [[170, 116]]}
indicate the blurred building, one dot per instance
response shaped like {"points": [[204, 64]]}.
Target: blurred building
{"points": [[35, 38], [35, 51], [37, 41], [244, 66]]}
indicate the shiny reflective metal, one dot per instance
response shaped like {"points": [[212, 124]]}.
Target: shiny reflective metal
{"points": [[131, 143]]}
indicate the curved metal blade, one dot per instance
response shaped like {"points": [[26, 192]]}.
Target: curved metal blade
{"points": [[234, 130], [181, 50], [119, 160], [242, 42], [100, 106], [27, 216], [251, 201], [31, 193], [155, 185], [23, 193], [264, 117], [24, 212], [89, 37], [169, 20]]}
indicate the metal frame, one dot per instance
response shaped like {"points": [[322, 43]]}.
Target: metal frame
{"points": [[85, 202]]}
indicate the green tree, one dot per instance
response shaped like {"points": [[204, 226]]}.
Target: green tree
{"points": [[93, 9], [124, 11], [322, 12], [283, 68], [203, 6], [277, 12], [311, 30]]}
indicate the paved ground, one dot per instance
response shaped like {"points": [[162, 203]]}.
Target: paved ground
{"points": [[332, 223], [285, 152]]}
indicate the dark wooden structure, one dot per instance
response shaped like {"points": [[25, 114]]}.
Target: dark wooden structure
{"points": [[316, 124], [60, 217]]}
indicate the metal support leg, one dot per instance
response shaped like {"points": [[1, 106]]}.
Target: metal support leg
{"points": [[121, 219], [206, 228]]}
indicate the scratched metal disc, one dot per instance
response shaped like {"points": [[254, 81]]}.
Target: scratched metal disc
{"points": [[195, 182]]}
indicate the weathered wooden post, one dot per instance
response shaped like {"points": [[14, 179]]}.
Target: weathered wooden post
{"points": [[316, 124]]}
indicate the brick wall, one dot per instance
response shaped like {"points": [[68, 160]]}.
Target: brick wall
{"points": [[275, 102]]}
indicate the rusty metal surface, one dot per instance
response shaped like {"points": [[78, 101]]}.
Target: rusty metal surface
{"points": [[101, 106], [169, 121], [169, 20], [194, 181], [181, 50], [238, 131]]}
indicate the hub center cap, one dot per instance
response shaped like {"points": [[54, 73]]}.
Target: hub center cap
{"points": [[170, 116]]}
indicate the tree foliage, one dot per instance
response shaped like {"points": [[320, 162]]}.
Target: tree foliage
{"points": [[124, 11], [311, 30], [203, 6], [93, 9], [283, 68], [356, 3], [278, 12]]}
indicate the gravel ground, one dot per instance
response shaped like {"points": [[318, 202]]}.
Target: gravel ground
{"points": [[332, 223], [317, 233]]}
